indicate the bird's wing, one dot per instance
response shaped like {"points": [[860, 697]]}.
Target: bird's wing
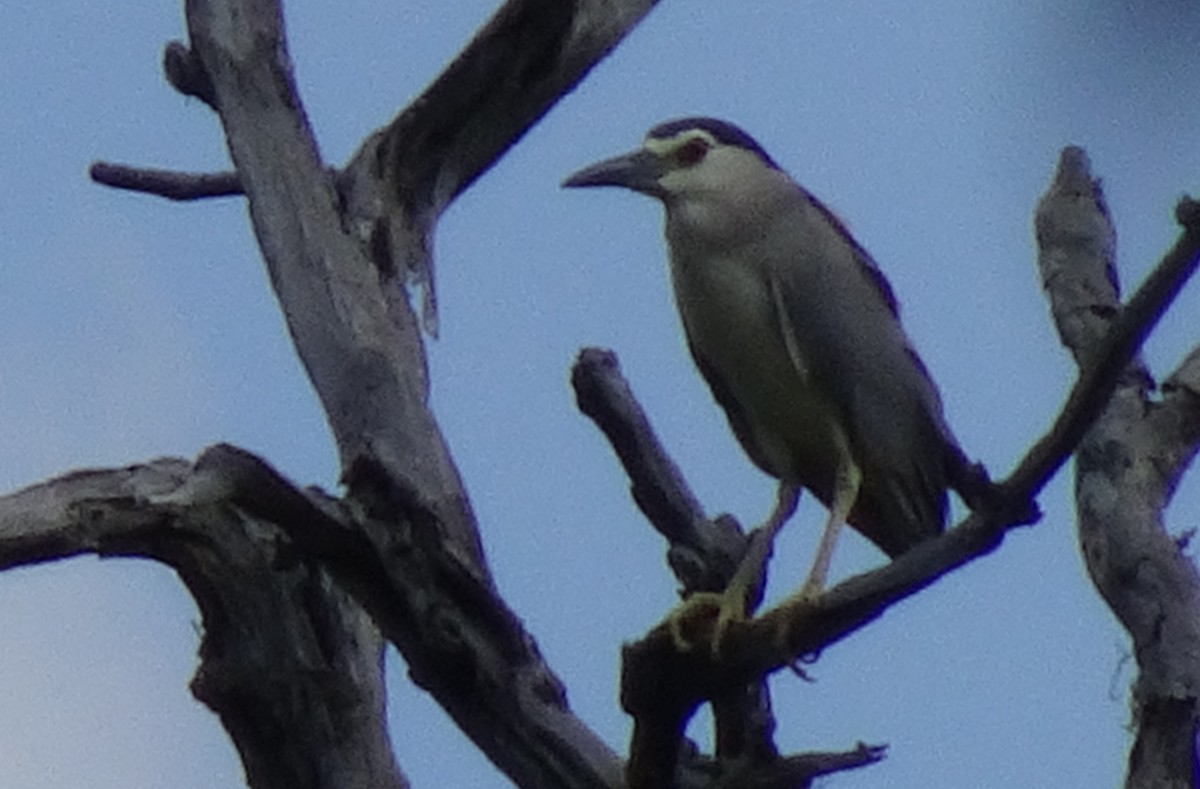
{"points": [[839, 320], [869, 266]]}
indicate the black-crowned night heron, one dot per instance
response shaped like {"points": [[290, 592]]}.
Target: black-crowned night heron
{"points": [[798, 335]]}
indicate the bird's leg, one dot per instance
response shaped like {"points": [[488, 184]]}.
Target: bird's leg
{"points": [[846, 484], [734, 603], [845, 493], [751, 573]]}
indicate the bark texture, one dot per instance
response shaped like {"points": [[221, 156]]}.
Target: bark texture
{"points": [[1127, 467], [289, 661]]}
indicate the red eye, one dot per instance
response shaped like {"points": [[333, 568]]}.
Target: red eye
{"points": [[692, 151]]}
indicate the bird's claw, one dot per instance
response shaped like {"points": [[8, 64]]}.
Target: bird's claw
{"points": [[729, 607], [810, 591]]}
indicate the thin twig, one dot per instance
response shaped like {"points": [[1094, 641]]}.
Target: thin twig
{"points": [[170, 184]]}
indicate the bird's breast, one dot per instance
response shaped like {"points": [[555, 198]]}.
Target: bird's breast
{"points": [[783, 418]]}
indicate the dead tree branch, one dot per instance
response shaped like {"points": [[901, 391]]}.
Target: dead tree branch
{"points": [[405, 542], [166, 183], [288, 655], [703, 553], [1127, 467], [527, 57], [662, 687], [289, 661]]}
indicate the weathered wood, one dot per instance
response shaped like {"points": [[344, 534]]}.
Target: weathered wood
{"points": [[1128, 465], [289, 661]]}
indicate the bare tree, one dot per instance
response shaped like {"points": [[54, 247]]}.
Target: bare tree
{"points": [[299, 591]]}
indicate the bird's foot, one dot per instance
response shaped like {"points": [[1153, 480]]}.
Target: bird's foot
{"points": [[806, 597], [729, 606], [744, 590], [811, 590]]}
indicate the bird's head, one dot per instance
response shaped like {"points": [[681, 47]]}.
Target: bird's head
{"points": [[687, 159]]}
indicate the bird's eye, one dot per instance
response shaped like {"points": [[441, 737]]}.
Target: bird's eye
{"points": [[692, 152]]}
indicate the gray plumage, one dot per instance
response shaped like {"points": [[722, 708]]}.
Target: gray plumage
{"points": [[795, 330]]}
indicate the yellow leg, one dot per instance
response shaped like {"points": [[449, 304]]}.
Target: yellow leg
{"points": [[845, 493], [733, 604]]}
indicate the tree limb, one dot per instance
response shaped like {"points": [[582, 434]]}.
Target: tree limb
{"points": [[1127, 467], [359, 342], [255, 553], [288, 657], [462, 643], [703, 553], [794, 772], [662, 687], [527, 57], [361, 350], [170, 184], [288, 660]]}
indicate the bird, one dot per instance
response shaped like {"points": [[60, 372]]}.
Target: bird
{"points": [[797, 333]]}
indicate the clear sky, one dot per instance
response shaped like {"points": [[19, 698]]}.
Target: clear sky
{"points": [[132, 328]]}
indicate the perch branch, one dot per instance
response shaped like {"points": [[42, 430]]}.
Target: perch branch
{"points": [[662, 687], [703, 553]]}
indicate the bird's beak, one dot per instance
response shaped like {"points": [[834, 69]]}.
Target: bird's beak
{"points": [[639, 171]]}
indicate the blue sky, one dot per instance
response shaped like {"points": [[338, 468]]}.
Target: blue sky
{"points": [[133, 328]]}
